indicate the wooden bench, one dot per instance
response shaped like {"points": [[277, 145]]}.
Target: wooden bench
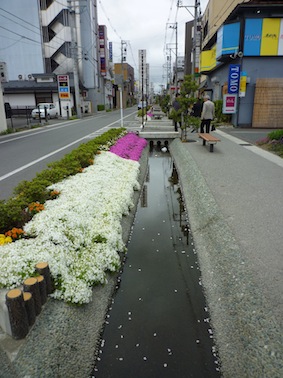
{"points": [[212, 140]]}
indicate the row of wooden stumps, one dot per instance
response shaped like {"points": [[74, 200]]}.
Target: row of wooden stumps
{"points": [[24, 305]]}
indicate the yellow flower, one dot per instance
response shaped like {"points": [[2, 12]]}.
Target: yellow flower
{"points": [[5, 239]]}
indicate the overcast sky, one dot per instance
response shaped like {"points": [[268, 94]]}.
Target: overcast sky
{"points": [[145, 25]]}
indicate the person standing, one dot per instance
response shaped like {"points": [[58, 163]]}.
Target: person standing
{"points": [[196, 109], [207, 114], [177, 107], [196, 112]]}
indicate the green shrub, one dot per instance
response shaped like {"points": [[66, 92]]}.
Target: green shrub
{"points": [[220, 117], [194, 122], [33, 191], [100, 107], [142, 112], [13, 211], [12, 214], [164, 103], [275, 135], [175, 115], [54, 175]]}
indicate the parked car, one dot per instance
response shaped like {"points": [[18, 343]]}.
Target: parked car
{"points": [[51, 111], [141, 104]]}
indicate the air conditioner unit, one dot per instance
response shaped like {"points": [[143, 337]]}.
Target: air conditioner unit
{"points": [[21, 77], [30, 77]]}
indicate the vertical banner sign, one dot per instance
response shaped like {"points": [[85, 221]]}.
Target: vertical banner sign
{"points": [[243, 84], [102, 47], [234, 78], [63, 87], [111, 51]]}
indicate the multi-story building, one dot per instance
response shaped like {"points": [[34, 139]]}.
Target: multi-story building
{"points": [[106, 68], [124, 79], [242, 58], [53, 37], [215, 15]]}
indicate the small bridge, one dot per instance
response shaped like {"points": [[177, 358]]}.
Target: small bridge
{"points": [[155, 131]]}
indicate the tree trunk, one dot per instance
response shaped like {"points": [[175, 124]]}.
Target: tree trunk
{"points": [[43, 269], [42, 289], [32, 286], [30, 309], [17, 313]]}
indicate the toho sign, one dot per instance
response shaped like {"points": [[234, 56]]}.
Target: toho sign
{"points": [[234, 78]]}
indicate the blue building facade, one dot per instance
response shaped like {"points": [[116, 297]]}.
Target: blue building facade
{"points": [[252, 39]]}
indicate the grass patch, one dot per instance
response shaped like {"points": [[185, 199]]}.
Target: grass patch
{"points": [[273, 142]]}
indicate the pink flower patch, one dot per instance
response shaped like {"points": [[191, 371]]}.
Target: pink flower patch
{"points": [[129, 147]]}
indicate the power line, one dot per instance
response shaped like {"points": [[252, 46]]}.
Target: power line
{"points": [[20, 35], [34, 26], [132, 55], [21, 19], [108, 19]]}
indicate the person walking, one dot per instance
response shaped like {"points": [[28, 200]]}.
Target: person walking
{"points": [[196, 112], [207, 114], [196, 109], [177, 117]]}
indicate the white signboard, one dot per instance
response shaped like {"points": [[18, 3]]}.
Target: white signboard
{"points": [[229, 104]]}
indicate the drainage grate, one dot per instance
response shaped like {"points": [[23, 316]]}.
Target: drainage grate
{"points": [[245, 144]]}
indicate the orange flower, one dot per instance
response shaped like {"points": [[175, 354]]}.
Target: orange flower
{"points": [[15, 233], [54, 193], [35, 207]]}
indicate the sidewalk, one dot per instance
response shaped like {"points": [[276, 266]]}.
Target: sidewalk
{"points": [[234, 200]]}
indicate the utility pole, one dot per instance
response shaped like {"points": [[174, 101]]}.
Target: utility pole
{"points": [[176, 78], [121, 87], [142, 80], [175, 26], [196, 39], [74, 50]]}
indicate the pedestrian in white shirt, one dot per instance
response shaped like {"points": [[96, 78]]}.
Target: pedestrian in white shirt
{"points": [[207, 114]]}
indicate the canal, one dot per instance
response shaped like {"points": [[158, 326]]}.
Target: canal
{"points": [[158, 324]]}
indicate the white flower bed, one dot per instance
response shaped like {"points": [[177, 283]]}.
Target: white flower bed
{"points": [[79, 234]]}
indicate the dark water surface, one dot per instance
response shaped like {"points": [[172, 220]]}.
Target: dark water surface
{"points": [[158, 324]]}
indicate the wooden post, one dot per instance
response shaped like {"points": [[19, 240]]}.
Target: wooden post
{"points": [[42, 289], [17, 313], [43, 269], [31, 286], [30, 309]]}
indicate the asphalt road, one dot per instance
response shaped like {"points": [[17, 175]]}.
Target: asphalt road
{"points": [[23, 154], [248, 135]]}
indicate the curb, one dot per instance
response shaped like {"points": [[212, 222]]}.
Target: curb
{"points": [[247, 335]]}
